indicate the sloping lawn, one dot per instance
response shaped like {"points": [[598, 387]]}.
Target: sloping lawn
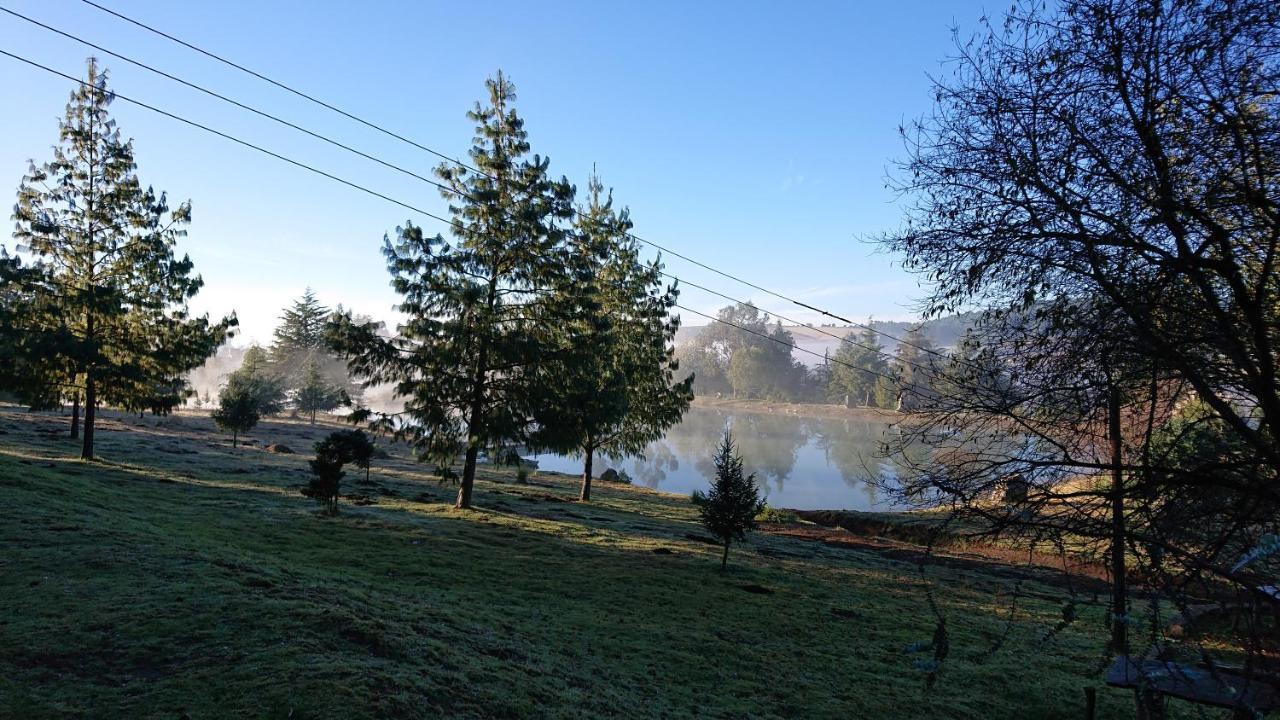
{"points": [[178, 576]]}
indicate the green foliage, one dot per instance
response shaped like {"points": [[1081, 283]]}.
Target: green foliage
{"points": [[301, 326], [106, 298], [299, 348], [747, 354], [728, 511], [316, 394], [332, 453], [860, 365], [776, 515], [914, 372], [256, 379], [612, 391], [238, 409], [480, 310]]}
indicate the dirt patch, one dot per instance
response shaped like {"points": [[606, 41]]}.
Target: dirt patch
{"points": [[279, 449], [997, 563]]}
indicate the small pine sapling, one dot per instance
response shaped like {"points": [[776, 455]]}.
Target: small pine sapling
{"points": [[728, 511]]}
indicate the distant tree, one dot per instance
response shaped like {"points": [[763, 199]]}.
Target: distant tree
{"points": [[257, 378], [237, 411], [728, 511], [915, 367], [613, 392], [301, 326], [861, 363], [316, 394], [749, 373], [113, 296], [765, 368], [481, 311]]}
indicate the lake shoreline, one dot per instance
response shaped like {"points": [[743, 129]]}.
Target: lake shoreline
{"points": [[814, 410]]}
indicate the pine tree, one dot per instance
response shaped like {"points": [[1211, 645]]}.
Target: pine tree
{"points": [[237, 410], [301, 327], [869, 364], [115, 300], [300, 341], [32, 334], [915, 366], [316, 394], [257, 378], [613, 392], [336, 450], [479, 315], [728, 511]]}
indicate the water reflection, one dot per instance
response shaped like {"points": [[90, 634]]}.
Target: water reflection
{"points": [[805, 463]]}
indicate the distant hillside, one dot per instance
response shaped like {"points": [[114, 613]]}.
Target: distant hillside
{"points": [[943, 332]]}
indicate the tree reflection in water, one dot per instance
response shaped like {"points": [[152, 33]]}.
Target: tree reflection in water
{"points": [[799, 462]]}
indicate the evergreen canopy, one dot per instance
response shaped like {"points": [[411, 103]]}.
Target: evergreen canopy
{"points": [[480, 308], [105, 296], [613, 391]]}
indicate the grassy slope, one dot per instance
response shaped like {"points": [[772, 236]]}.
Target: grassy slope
{"points": [[180, 575]]}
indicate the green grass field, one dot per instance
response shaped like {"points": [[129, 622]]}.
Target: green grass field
{"points": [[178, 577]]}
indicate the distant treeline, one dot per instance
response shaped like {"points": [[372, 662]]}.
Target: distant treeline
{"points": [[751, 356]]}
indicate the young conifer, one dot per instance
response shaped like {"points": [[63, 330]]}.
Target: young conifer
{"points": [[728, 511]]}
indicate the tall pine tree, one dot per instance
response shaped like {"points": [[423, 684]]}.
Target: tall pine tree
{"points": [[480, 309], [115, 293], [860, 363], [301, 326], [614, 392]]}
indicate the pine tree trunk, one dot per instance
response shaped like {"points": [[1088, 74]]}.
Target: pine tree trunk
{"points": [[235, 438], [90, 412], [477, 416], [724, 559], [468, 478], [585, 495], [75, 416], [313, 417]]}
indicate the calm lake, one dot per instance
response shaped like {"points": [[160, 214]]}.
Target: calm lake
{"points": [[800, 463]]}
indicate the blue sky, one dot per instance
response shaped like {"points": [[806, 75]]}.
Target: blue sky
{"points": [[754, 136]]}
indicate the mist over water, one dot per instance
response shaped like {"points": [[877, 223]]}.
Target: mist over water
{"points": [[800, 462]]}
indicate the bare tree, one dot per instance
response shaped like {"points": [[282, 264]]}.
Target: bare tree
{"points": [[1106, 177]]}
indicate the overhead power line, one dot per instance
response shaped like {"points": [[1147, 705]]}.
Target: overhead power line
{"points": [[443, 156], [408, 206], [385, 163], [232, 138], [281, 85]]}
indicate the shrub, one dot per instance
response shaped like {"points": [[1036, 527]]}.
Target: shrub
{"points": [[777, 515], [338, 449]]}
